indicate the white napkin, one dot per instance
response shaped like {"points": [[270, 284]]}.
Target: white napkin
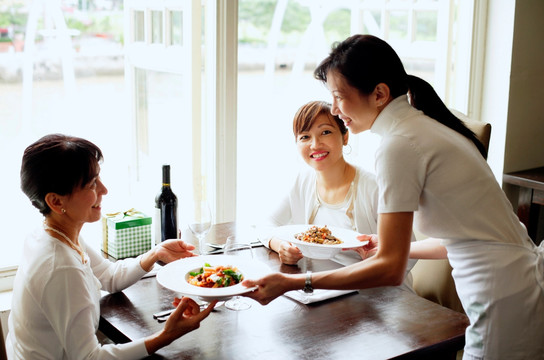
{"points": [[318, 295]]}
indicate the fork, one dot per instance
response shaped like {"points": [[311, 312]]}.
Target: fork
{"points": [[256, 243], [162, 316]]}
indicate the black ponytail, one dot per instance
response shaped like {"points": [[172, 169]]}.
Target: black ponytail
{"points": [[424, 98], [365, 61]]}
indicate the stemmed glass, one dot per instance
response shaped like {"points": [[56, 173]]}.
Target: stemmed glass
{"points": [[241, 250], [200, 222]]}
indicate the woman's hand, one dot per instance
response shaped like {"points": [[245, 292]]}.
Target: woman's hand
{"points": [[269, 287], [369, 249], [174, 249], [289, 254], [167, 251], [184, 319]]}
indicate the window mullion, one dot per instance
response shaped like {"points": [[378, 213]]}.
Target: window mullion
{"points": [[226, 109]]}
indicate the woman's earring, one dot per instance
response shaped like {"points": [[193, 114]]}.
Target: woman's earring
{"points": [[347, 149], [63, 211]]}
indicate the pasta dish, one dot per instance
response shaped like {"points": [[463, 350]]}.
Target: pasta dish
{"points": [[318, 235], [215, 276]]}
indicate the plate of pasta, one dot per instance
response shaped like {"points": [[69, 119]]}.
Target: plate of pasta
{"points": [[319, 241], [211, 277]]}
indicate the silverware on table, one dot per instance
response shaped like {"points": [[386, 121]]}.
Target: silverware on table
{"points": [[163, 313], [162, 316], [220, 247]]}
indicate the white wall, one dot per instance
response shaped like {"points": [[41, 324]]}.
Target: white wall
{"points": [[525, 125], [496, 77], [513, 91], [5, 305]]}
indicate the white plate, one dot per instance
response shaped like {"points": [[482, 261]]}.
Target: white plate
{"points": [[319, 251], [174, 276]]}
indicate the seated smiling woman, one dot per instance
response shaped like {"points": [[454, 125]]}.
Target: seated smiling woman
{"points": [[56, 294], [331, 192]]}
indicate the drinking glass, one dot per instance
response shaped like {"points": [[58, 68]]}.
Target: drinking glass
{"points": [[200, 222], [241, 250]]}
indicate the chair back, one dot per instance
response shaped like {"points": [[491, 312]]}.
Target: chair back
{"points": [[480, 129]]}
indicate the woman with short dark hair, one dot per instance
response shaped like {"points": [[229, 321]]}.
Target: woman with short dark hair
{"points": [[56, 292]]}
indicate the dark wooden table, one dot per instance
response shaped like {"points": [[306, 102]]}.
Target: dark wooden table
{"points": [[379, 323], [528, 187]]}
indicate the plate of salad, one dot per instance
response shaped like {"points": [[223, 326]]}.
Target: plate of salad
{"points": [[211, 277]]}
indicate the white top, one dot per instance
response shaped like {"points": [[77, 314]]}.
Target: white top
{"points": [[335, 213], [55, 305], [302, 206], [424, 166]]}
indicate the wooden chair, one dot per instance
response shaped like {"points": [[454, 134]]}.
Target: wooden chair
{"points": [[432, 279]]}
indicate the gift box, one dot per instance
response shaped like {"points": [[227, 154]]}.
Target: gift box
{"points": [[126, 234]]}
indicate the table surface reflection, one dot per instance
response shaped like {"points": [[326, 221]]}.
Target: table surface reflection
{"points": [[376, 323]]}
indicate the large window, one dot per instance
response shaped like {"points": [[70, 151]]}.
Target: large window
{"points": [[209, 86], [61, 70], [133, 77], [282, 41]]}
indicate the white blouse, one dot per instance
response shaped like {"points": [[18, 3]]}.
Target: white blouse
{"points": [[56, 302]]}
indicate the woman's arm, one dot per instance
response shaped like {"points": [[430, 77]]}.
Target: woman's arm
{"points": [[430, 248], [166, 252], [289, 254], [282, 215], [184, 319], [386, 268], [118, 275], [73, 317], [70, 300]]}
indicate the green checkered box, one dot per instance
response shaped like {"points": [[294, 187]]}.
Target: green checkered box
{"points": [[126, 234]]}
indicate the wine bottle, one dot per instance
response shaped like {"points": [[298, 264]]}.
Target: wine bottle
{"points": [[166, 207]]}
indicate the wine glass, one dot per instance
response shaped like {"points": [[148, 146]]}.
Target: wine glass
{"points": [[240, 250], [200, 222]]}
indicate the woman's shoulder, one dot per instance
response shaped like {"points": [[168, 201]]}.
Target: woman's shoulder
{"points": [[42, 251], [365, 176], [367, 185], [305, 178], [45, 259]]}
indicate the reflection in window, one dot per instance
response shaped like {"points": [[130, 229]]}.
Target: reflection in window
{"points": [[276, 36], [156, 27], [86, 99], [176, 28], [139, 26], [398, 25], [371, 21], [426, 25], [338, 22], [163, 132]]}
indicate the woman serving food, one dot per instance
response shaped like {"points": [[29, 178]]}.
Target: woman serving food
{"points": [[432, 173]]}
